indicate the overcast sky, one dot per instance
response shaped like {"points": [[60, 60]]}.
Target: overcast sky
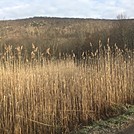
{"points": [[103, 9]]}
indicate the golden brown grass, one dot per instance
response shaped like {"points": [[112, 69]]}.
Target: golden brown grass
{"points": [[59, 96]]}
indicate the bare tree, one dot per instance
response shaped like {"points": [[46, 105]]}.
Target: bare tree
{"points": [[121, 16]]}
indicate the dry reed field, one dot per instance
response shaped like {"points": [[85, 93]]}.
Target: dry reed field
{"points": [[46, 96]]}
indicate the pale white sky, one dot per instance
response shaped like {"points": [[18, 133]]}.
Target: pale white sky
{"points": [[103, 9]]}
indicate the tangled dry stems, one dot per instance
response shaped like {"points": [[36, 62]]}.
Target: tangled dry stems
{"points": [[39, 95]]}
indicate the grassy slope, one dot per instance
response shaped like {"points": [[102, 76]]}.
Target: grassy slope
{"points": [[111, 125]]}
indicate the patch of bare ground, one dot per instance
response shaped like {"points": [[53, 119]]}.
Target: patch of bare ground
{"points": [[128, 130]]}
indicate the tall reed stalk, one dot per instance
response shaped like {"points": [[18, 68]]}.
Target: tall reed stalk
{"points": [[39, 97]]}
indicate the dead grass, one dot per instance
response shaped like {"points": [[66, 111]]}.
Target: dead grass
{"points": [[47, 96]]}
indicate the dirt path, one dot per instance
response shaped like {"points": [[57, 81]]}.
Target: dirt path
{"points": [[129, 130]]}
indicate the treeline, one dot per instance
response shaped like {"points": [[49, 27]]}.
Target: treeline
{"points": [[67, 35]]}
